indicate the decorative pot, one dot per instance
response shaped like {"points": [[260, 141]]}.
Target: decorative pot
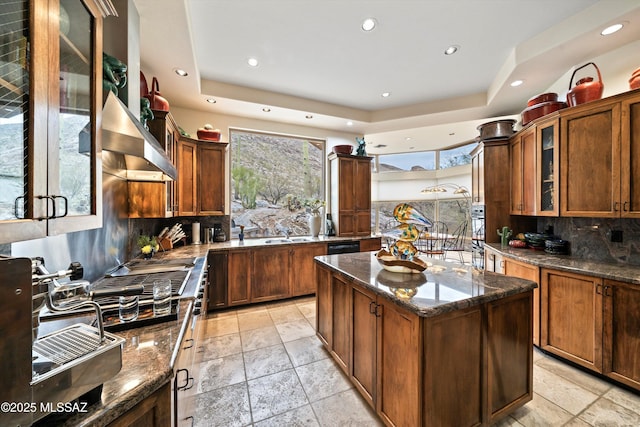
{"points": [[315, 221], [586, 89], [158, 102], [634, 81], [496, 129]]}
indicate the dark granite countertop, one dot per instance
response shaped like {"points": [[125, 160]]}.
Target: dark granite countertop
{"points": [[614, 271], [442, 288]]}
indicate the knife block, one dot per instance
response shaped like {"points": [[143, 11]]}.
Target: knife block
{"points": [[165, 244]]}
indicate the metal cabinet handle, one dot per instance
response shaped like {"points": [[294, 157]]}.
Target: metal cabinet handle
{"points": [[625, 206], [188, 381], [15, 208], [189, 418], [607, 292], [372, 309], [190, 341], [599, 289], [66, 206], [378, 313]]}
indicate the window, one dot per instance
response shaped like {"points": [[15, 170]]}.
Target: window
{"points": [[456, 156], [272, 176], [423, 160]]}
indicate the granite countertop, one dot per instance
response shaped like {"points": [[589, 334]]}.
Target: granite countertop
{"points": [[614, 271], [442, 288], [202, 249]]}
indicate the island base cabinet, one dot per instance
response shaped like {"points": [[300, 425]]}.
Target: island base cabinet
{"points": [[466, 367], [154, 410], [453, 368]]}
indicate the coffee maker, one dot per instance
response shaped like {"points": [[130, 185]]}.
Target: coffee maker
{"points": [[42, 369]]}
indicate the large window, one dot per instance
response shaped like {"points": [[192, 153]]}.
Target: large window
{"points": [[456, 156], [423, 160], [272, 177]]}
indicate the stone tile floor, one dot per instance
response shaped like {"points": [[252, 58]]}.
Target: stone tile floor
{"points": [[263, 366]]}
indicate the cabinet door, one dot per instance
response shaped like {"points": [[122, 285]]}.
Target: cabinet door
{"points": [[270, 274], [210, 183], [362, 194], [324, 306], [523, 172], [218, 289], [363, 338], [630, 158], [187, 198], [621, 344], [398, 387], [547, 136], [590, 162], [571, 324], [529, 272], [303, 277], [341, 315], [239, 277]]}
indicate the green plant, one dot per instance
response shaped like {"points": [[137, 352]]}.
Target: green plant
{"points": [[147, 244], [314, 205]]}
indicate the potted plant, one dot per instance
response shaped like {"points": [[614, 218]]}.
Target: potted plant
{"points": [[148, 246]]}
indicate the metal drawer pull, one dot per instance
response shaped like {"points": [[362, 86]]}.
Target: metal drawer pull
{"points": [[190, 341]]}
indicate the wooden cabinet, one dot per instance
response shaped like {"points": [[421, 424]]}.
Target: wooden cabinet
{"points": [[548, 154], [630, 158], [494, 261], [154, 410], [621, 340], [51, 87], [412, 370], [157, 199], [572, 317], [350, 194], [490, 184], [201, 177], [530, 272], [590, 159], [239, 277], [183, 380], [218, 285], [302, 271], [523, 171], [270, 274]]}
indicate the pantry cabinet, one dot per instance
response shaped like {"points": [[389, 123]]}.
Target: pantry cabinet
{"points": [[350, 194], [51, 88], [157, 199], [201, 177]]}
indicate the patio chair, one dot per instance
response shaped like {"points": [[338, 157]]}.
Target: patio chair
{"points": [[456, 241]]}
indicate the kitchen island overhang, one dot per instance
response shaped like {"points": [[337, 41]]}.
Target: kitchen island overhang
{"points": [[449, 346]]}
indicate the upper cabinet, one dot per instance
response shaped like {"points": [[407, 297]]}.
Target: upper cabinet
{"points": [[201, 177], [351, 194], [548, 154], [157, 199], [523, 167], [600, 161], [50, 103]]}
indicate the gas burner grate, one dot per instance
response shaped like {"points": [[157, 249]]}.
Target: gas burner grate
{"points": [[178, 279]]}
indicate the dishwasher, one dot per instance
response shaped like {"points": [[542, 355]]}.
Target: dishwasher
{"points": [[343, 247]]}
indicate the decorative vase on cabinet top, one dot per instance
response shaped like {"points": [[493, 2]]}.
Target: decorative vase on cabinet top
{"points": [[315, 221], [586, 89]]}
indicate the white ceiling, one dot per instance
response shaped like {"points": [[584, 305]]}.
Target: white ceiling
{"points": [[315, 59]]}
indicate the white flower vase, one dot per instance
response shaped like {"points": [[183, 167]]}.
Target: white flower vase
{"points": [[315, 221]]}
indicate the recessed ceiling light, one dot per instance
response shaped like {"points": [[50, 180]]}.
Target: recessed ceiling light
{"points": [[611, 29], [180, 72], [308, 116], [266, 109], [253, 62], [452, 133], [386, 94], [451, 49], [349, 123], [516, 83], [368, 24], [211, 101], [408, 139]]}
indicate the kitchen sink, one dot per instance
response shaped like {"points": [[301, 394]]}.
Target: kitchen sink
{"points": [[295, 239]]}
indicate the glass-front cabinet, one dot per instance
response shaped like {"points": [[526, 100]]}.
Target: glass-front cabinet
{"points": [[50, 103], [547, 141]]}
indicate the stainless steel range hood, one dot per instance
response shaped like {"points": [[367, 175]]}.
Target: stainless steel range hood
{"points": [[132, 152]]}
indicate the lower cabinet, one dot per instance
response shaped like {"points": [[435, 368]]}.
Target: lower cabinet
{"points": [[154, 410], [270, 274], [593, 322], [413, 370], [239, 277], [303, 268], [530, 272]]}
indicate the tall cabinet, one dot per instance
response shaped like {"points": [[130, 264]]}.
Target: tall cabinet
{"points": [[350, 194], [50, 98]]}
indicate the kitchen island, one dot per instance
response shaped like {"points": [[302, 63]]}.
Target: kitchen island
{"points": [[449, 346]]}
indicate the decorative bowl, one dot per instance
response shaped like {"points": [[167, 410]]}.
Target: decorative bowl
{"points": [[209, 135], [544, 97], [539, 110], [395, 265], [343, 149]]}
